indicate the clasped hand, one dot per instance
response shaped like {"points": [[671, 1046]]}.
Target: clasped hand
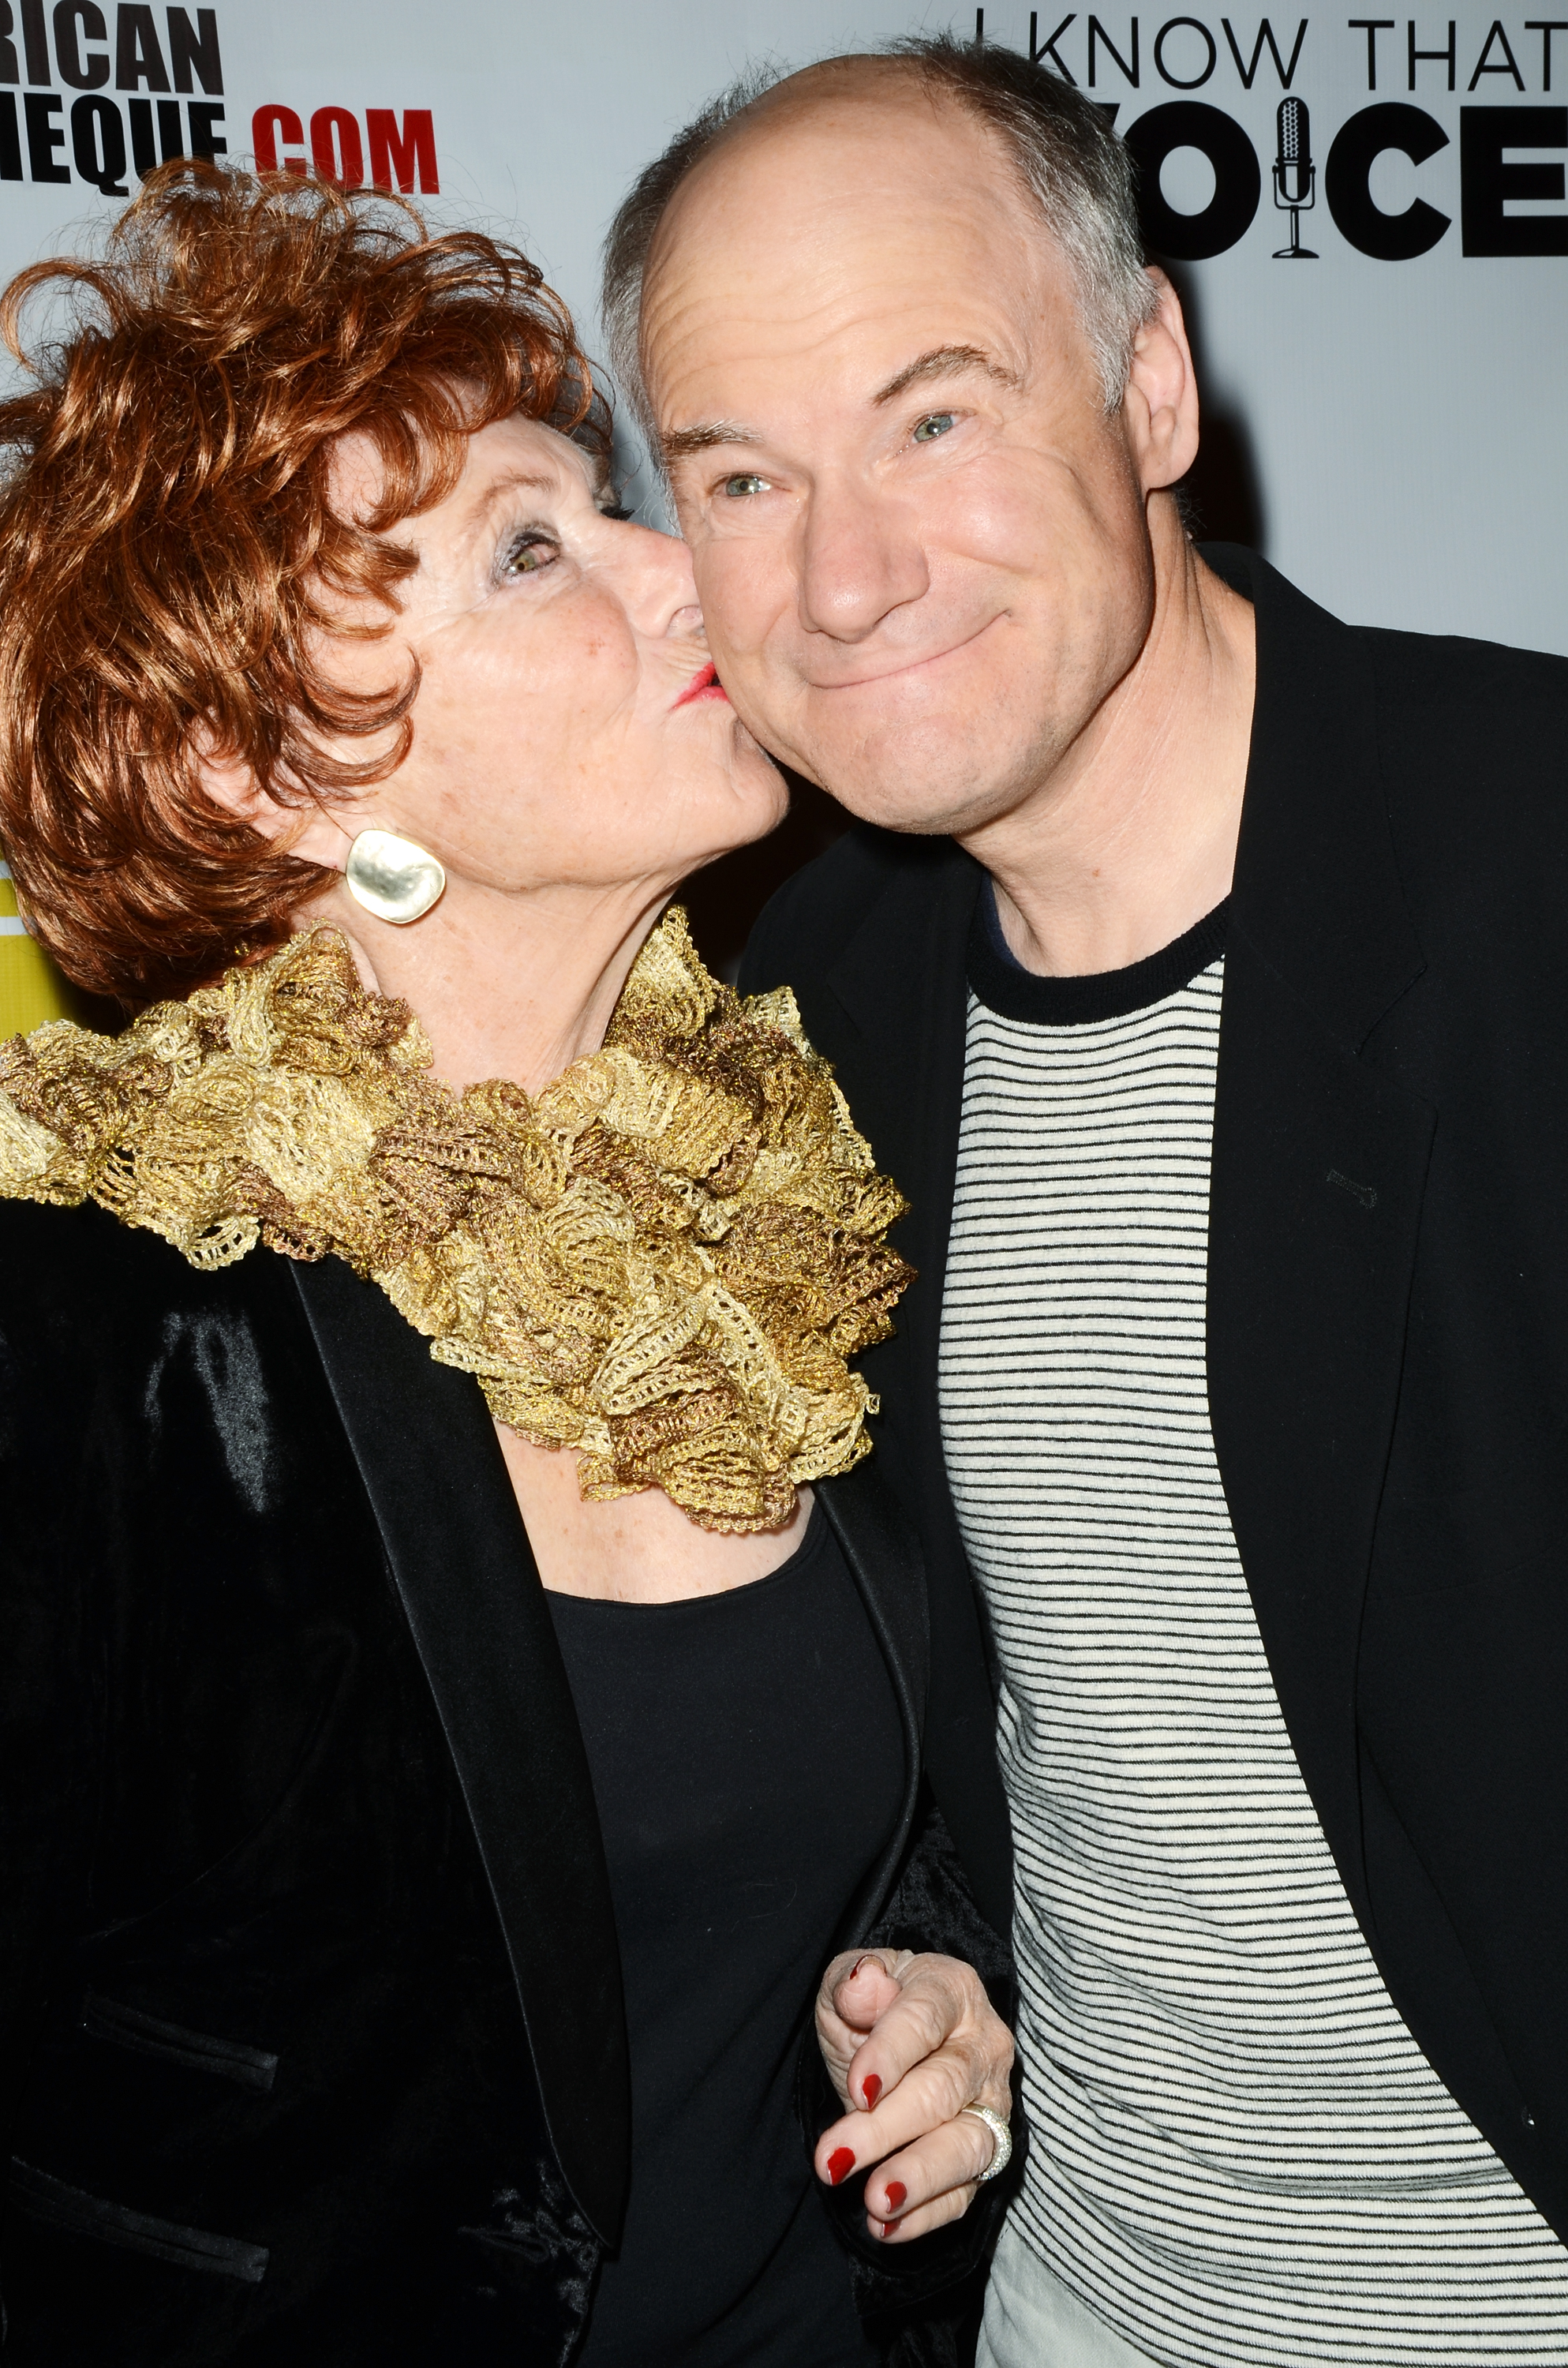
{"points": [[910, 2042]]}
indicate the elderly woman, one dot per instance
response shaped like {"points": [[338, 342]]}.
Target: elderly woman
{"points": [[454, 1705]]}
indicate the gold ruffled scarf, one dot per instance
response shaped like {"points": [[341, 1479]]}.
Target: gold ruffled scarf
{"points": [[663, 1260]]}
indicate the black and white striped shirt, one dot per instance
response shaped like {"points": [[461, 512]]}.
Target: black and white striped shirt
{"points": [[1239, 2152]]}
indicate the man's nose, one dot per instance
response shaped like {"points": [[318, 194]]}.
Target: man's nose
{"points": [[861, 558]]}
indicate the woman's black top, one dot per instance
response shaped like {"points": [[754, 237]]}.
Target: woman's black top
{"points": [[748, 1766], [311, 2036]]}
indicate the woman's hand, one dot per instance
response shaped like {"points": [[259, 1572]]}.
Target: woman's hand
{"points": [[910, 2041]]}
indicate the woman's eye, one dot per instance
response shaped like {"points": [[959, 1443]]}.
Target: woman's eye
{"points": [[937, 423], [737, 488], [528, 555]]}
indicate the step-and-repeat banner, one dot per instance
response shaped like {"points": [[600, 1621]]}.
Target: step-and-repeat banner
{"points": [[1366, 215]]}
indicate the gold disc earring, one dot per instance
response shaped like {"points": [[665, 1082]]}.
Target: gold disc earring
{"points": [[393, 877]]}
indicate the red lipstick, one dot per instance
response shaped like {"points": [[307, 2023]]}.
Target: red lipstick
{"points": [[704, 684]]}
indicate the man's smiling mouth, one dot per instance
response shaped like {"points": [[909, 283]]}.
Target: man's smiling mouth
{"points": [[909, 665]]}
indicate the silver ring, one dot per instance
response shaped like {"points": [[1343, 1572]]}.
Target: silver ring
{"points": [[1002, 2135]]}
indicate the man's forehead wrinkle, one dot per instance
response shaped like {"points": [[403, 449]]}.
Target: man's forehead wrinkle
{"points": [[709, 280]]}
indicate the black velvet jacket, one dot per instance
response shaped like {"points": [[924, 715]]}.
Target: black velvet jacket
{"points": [[1388, 1296], [311, 2048]]}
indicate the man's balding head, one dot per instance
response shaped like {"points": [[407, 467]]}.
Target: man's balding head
{"points": [[910, 448], [1069, 167]]}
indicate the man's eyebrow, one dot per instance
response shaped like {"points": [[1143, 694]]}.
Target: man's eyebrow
{"points": [[682, 440], [944, 361]]}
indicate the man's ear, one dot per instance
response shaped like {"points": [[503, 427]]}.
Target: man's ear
{"points": [[310, 832], [1159, 409]]}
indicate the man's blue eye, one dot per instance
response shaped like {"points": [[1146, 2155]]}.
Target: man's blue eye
{"points": [[937, 423], [737, 488]]}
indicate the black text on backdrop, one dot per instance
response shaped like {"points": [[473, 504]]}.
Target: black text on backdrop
{"points": [[1434, 60], [154, 62]]}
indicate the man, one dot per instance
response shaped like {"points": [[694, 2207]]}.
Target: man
{"points": [[1211, 1009]]}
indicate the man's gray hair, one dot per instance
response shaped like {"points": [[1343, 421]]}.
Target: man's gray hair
{"points": [[1061, 142]]}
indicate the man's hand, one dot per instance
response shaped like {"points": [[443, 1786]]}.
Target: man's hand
{"points": [[910, 2042]]}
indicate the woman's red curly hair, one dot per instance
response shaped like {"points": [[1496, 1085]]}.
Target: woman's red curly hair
{"points": [[170, 556]]}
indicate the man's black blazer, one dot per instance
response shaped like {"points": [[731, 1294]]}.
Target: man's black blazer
{"points": [[1388, 1296]]}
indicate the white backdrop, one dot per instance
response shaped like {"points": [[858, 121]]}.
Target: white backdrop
{"points": [[1404, 419]]}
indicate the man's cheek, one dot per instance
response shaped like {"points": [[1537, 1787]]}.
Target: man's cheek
{"points": [[744, 604]]}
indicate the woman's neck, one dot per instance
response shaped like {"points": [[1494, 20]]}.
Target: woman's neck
{"points": [[505, 985], [520, 987]]}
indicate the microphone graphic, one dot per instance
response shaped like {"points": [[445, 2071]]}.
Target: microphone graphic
{"points": [[1295, 177]]}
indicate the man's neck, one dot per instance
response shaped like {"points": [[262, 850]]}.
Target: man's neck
{"points": [[1132, 838]]}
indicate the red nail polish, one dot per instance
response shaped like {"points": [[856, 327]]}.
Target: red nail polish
{"points": [[871, 2089], [888, 2228], [840, 2163], [896, 2193]]}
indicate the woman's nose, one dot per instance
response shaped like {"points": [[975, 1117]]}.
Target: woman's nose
{"points": [[666, 591]]}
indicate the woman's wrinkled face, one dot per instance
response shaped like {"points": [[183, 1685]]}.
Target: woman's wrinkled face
{"points": [[567, 727]]}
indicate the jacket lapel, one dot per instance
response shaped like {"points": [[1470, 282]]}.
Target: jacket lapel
{"points": [[1319, 1167], [901, 980], [902, 983], [884, 1559], [460, 1556]]}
